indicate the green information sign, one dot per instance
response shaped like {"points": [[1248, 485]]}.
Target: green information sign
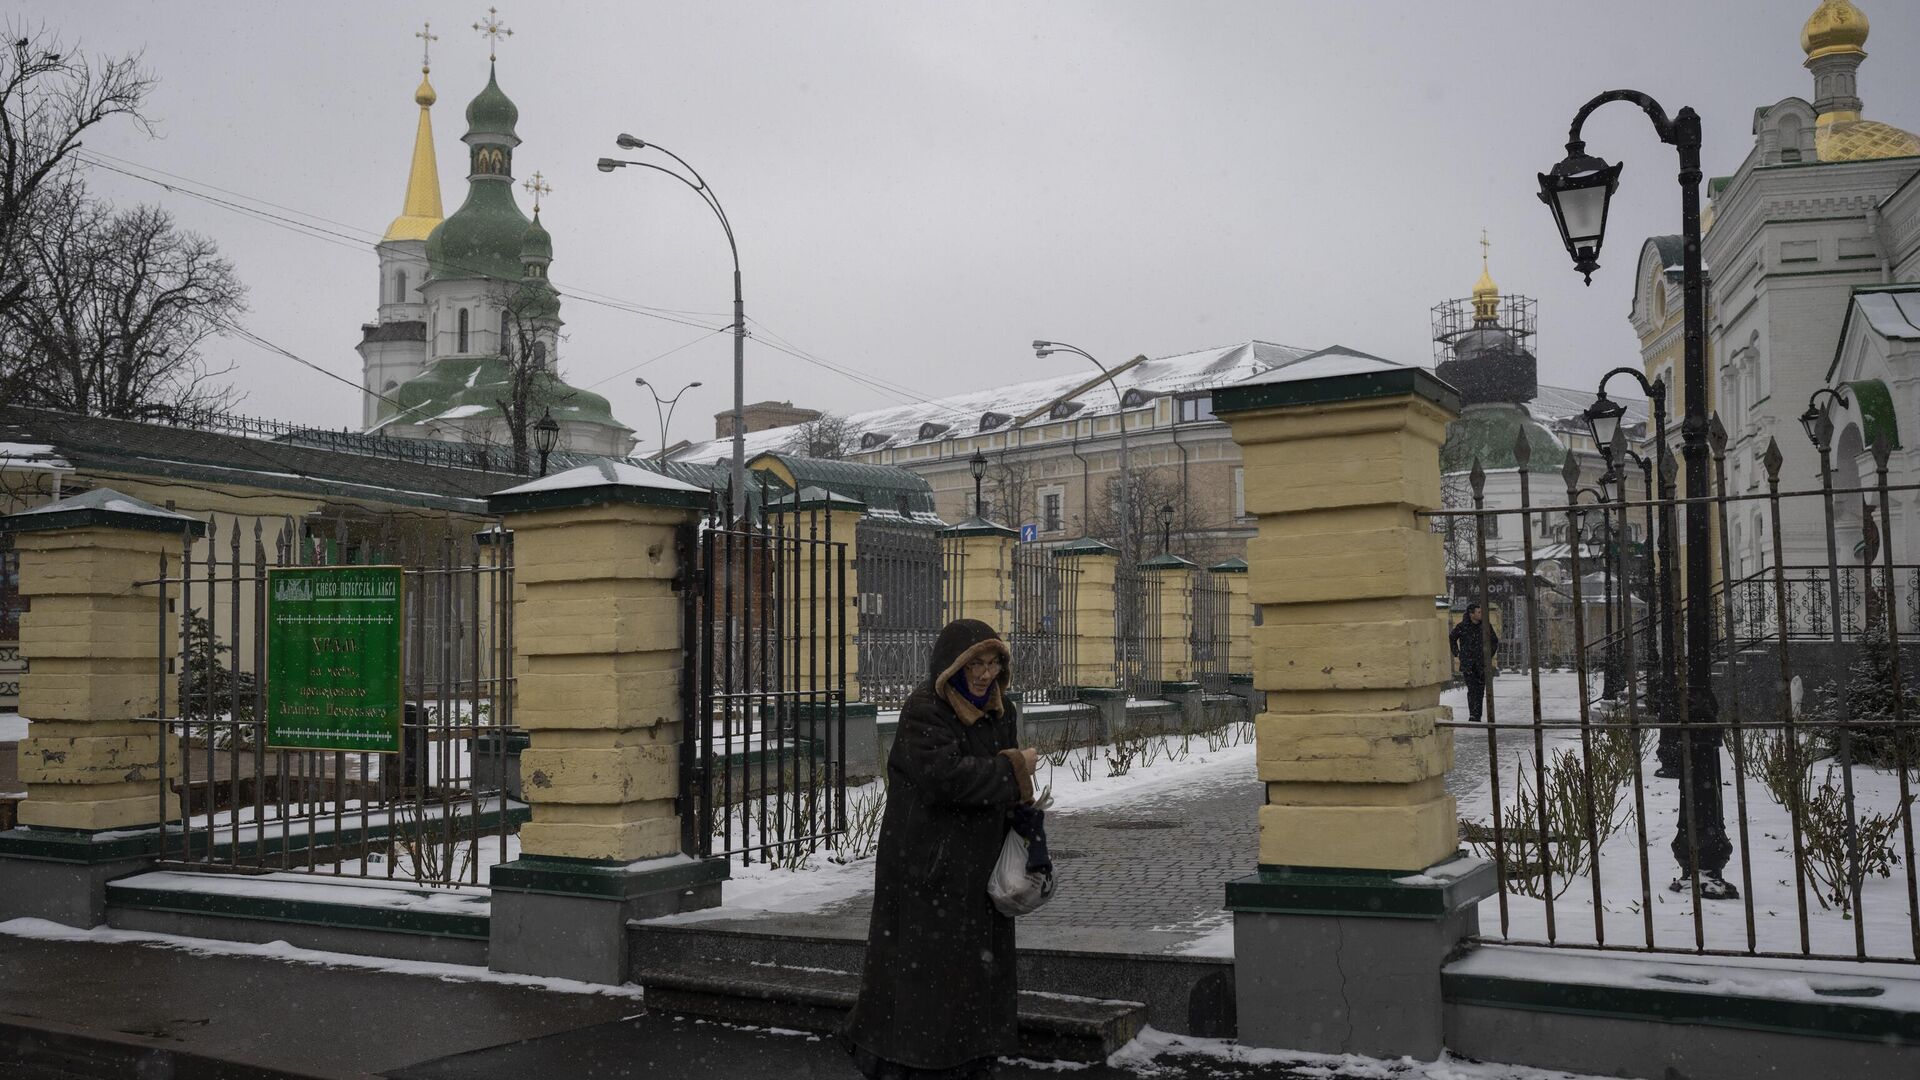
{"points": [[333, 658]]}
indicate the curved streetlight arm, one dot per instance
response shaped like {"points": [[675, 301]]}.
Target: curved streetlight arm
{"points": [[1057, 346], [1654, 389], [1673, 131], [698, 187]]}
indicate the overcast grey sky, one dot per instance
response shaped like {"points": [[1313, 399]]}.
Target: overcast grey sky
{"points": [[920, 189]]}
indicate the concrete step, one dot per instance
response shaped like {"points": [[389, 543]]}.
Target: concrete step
{"points": [[1053, 1027], [1183, 994]]}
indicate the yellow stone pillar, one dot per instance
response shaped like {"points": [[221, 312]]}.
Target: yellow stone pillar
{"points": [[1172, 577], [92, 760], [598, 656], [1359, 885], [986, 570], [1094, 566]]}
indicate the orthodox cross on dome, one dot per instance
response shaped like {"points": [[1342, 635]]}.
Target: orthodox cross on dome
{"points": [[427, 38], [1484, 247], [537, 187], [493, 30]]}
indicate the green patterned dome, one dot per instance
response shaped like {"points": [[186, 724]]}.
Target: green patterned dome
{"points": [[468, 388], [1490, 432], [536, 244], [491, 112], [481, 239]]}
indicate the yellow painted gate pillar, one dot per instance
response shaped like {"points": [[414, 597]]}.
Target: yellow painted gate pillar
{"points": [[1094, 567], [1172, 578], [1360, 894], [985, 568], [92, 760], [599, 557]]}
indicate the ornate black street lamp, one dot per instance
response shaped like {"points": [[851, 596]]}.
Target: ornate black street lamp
{"points": [[977, 465], [1579, 190], [546, 434], [1166, 528]]}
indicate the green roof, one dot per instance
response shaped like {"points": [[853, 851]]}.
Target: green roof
{"points": [[482, 238], [467, 387], [1488, 434], [881, 487], [537, 243]]}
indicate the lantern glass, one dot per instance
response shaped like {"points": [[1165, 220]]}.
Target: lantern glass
{"points": [[546, 432], [978, 465], [1578, 191], [1603, 420]]}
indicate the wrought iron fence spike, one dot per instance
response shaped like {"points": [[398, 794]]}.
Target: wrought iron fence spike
{"points": [[1772, 460], [1522, 450]]}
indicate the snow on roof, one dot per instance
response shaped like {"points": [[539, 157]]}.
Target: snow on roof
{"points": [[602, 473], [14, 455], [108, 500], [1328, 362], [898, 425], [1891, 314]]}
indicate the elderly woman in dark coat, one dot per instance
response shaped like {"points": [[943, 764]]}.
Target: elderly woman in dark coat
{"points": [[937, 999]]}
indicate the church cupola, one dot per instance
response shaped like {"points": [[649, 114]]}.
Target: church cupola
{"points": [[481, 240], [1834, 39], [1480, 343]]}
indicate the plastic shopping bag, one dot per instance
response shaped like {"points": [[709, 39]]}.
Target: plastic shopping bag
{"points": [[1015, 889]]}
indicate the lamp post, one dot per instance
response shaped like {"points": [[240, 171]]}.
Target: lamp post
{"points": [[1599, 538], [977, 465], [1603, 421], [546, 434], [738, 481], [1166, 527], [1578, 191], [1044, 349], [665, 418]]}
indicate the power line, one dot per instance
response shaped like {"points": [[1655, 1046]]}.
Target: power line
{"points": [[901, 393]]}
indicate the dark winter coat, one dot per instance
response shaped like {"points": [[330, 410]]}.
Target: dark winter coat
{"points": [[1465, 642], [938, 991]]}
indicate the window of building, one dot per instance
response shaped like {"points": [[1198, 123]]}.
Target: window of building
{"points": [[1065, 409], [1239, 492], [1491, 523], [503, 331], [461, 336], [1053, 516], [400, 287], [1195, 409]]}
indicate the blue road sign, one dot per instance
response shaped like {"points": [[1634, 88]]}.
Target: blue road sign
{"points": [[1029, 533]]}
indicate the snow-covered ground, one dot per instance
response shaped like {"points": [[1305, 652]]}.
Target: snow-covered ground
{"points": [[1627, 897]]}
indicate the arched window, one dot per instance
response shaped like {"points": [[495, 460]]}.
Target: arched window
{"points": [[400, 287], [462, 339], [503, 331]]}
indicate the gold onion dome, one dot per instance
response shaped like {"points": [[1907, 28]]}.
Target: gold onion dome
{"points": [[425, 97], [1835, 26], [1486, 296]]}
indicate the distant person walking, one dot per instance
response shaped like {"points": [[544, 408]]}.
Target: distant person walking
{"points": [[1475, 647], [938, 995]]}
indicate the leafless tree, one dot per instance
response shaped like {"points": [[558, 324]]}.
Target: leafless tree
{"points": [[1196, 521], [50, 96], [112, 311], [1458, 535], [531, 386], [1009, 483], [825, 436]]}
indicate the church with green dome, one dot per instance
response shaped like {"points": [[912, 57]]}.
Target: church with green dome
{"points": [[468, 322]]}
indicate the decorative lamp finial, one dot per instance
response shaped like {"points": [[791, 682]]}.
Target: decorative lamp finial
{"points": [[493, 30], [538, 187]]}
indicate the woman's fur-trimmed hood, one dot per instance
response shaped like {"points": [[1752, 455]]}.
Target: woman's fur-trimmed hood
{"points": [[963, 641]]}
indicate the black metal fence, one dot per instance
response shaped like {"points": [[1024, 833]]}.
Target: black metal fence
{"points": [[1767, 814], [763, 758], [434, 813], [1212, 638], [1041, 631], [1136, 633], [911, 585]]}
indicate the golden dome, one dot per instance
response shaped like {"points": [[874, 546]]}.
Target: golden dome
{"points": [[1835, 27], [421, 210], [1846, 137], [425, 97], [1486, 295]]}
